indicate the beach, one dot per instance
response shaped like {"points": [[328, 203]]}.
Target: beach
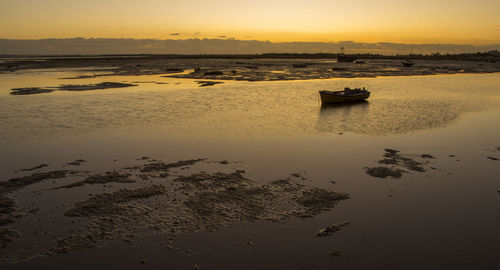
{"points": [[185, 164]]}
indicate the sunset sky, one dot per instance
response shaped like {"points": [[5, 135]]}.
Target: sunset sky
{"points": [[417, 21]]}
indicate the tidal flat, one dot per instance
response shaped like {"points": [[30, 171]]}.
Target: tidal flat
{"points": [[186, 164], [258, 69]]}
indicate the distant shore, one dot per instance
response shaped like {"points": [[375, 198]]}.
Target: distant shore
{"points": [[478, 56], [262, 67]]}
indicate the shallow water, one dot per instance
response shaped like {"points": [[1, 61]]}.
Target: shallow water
{"points": [[239, 109], [440, 218]]}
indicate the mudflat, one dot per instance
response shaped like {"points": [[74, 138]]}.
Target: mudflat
{"points": [[233, 163]]}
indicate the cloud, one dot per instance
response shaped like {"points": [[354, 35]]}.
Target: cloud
{"points": [[221, 36], [175, 34], [217, 46]]}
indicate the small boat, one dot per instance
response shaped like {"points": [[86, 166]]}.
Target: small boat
{"points": [[346, 95], [407, 63], [342, 57]]}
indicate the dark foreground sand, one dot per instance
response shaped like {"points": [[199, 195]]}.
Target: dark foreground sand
{"points": [[170, 201], [151, 196]]}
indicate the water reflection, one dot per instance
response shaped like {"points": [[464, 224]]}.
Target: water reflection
{"points": [[238, 110], [342, 116]]}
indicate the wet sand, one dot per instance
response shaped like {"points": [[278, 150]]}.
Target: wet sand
{"points": [[155, 197], [196, 212]]}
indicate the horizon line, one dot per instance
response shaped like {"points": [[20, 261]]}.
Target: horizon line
{"points": [[237, 39]]}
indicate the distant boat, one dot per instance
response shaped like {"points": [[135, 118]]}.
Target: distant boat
{"points": [[346, 95], [407, 63], [342, 57]]}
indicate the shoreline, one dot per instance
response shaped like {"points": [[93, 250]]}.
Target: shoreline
{"points": [[254, 69]]}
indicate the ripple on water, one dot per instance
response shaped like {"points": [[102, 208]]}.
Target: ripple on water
{"points": [[246, 109]]}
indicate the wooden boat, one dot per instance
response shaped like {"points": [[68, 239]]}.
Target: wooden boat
{"points": [[407, 63], [346, 95]]}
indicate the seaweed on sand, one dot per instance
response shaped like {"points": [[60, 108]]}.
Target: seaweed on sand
{"points": [[198, 202], [109, 203]]}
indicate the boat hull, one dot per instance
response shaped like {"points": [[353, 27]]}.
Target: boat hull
{"points": [[340, 97], [345, 58], [407, 63]]}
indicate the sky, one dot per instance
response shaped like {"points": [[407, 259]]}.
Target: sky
{"points": [[404, 21]]}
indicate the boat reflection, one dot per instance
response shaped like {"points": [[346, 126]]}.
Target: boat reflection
{"points": [[342, 117], [332, 106]]}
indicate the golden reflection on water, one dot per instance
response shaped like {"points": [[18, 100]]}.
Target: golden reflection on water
{"points": [[240, 109], [335, 117]]}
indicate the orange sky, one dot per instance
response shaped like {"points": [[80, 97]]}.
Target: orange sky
{"points": [[423, 21]]}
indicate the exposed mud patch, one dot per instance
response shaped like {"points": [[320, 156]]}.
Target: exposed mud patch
{"points": [[335, 252], [43, 165], [174, 70], [20, 182], [7, 235], [108, 177], [383, 172], [318, 200], [99, 86], [197, 202], [207, 83], [332, 229], [159, 166], [77, 162], [166, 204], [111, 203], [81, 77], [7, 205], [30, 91], [398, 163], [7, 208], [69, 87]]}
